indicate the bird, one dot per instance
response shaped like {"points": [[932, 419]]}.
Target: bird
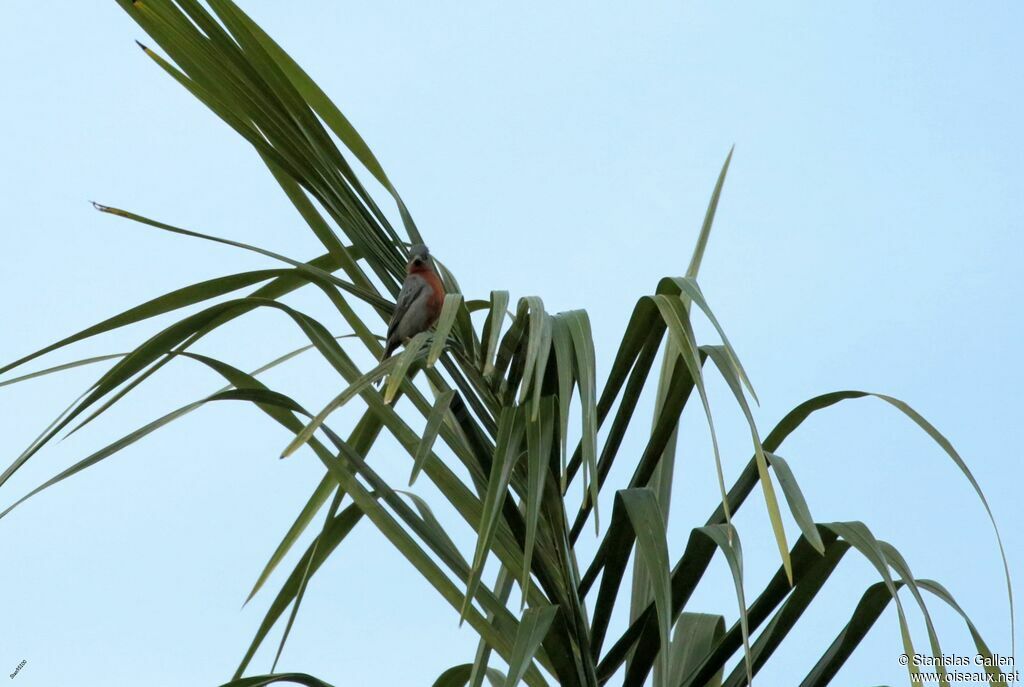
{"points": [[419, 302]]}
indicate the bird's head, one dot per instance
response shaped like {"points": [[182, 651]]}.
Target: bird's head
{"points": [[419, 258]]}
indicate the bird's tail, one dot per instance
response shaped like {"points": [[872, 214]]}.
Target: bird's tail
{"points": [[389, 348]]}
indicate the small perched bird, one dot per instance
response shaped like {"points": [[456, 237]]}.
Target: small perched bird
{"points": [[419, 302]]}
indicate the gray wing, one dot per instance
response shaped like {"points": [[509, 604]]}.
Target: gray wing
{"points": [[412, 288]]}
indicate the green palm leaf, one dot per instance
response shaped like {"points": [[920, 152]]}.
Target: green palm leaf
{"points": [[497, 399]]}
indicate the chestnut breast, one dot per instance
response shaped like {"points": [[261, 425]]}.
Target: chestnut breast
{"points": [[436, 298]]}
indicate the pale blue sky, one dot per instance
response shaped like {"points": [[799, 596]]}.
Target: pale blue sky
{"points": [[868, 237]]}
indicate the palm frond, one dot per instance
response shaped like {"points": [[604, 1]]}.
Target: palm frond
{"points": [[499, 400]]}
